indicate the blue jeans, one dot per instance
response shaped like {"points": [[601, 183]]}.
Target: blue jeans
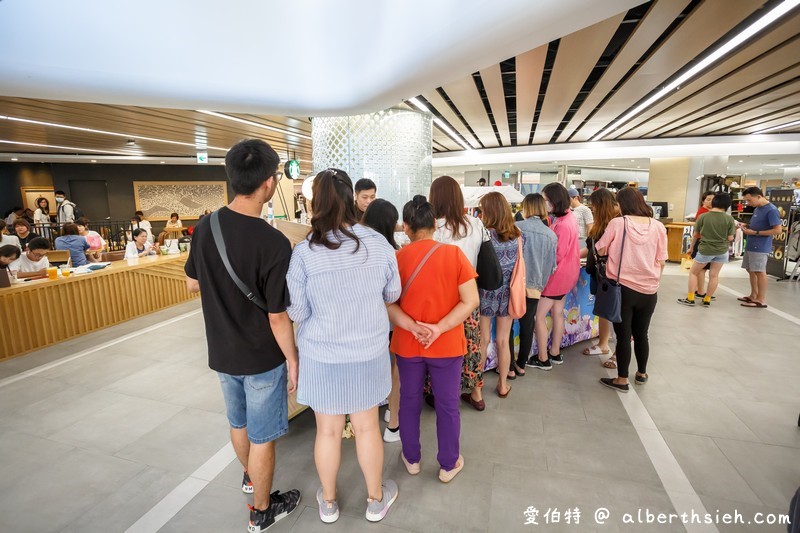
{"points": [[258, 402]]}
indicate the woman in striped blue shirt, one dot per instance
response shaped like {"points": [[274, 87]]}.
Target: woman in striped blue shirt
{"points": [[340, 280]]}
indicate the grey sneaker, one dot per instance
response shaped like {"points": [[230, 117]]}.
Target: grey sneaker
{"points": [[376, 510], [328, 509]]}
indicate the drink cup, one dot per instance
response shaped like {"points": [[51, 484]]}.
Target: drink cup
{"points": [[52, 273]]}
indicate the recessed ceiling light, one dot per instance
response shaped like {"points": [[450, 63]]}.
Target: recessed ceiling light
{"points": [[632, 160], [774, 14], [442, 126], [613, 165], [131, 139], [94, 160], [70, 148], [14, 159], [254, 124], [740, 161], [162, 162]]}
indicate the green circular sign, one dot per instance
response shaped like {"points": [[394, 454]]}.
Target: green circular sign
{"points": [[292, 169]]}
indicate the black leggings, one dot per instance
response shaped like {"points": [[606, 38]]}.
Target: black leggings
{"points": [[526, 333], [637, 310]]}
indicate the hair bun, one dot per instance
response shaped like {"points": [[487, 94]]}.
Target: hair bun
{"points": [[419, 201]]}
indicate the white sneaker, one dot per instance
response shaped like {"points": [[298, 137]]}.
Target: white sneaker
{"points": [[386, 415], [391, 436]]}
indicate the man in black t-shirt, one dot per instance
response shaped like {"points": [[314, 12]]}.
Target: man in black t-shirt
{"points": [[253, 351]]}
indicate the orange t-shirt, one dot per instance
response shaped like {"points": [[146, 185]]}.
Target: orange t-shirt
{"points": [[431, 296]]}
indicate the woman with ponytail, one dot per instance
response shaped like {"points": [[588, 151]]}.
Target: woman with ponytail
{"points": [[439, 292], [341, 277]]}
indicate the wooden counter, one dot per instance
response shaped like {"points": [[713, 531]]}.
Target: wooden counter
{"points": [[57, 310], [675, 240]]}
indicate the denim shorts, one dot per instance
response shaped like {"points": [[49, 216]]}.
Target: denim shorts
{"points": [[258, 403], [721, 258]]}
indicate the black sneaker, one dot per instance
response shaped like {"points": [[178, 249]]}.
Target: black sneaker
{"points": [[247, 485], [556, 359], [686, 301], [699, 296], [534, 362], [707, 304], [281, 505]]}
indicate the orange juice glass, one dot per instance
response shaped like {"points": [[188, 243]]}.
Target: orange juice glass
{"points": [[52, 273]]}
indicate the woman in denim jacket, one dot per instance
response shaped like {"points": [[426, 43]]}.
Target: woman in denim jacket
{"points": [[539, 252]]}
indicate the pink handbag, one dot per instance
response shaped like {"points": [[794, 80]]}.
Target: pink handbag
{"points": [[516, 293]]}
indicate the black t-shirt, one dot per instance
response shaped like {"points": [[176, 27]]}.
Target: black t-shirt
{"points": [[24, 242], [240, 340]]}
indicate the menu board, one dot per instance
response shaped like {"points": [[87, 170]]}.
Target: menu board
{"points": [[776, 261]]}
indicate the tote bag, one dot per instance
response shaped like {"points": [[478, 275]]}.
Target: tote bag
{"points": [[490, 275], [516, 294], [608, 300]]}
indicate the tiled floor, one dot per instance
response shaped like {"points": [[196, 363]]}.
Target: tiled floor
{"points": [[95, 443]]}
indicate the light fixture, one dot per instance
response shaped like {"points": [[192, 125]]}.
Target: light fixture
{"points": [[162, 162], [131, 140], [774, 128], [254, 124], [94, 160], [740, 161], [71, 148], [770, 17], [442, 126], [14, 159]]}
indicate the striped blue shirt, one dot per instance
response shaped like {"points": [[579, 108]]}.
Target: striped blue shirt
{"points": [[338, 302]]}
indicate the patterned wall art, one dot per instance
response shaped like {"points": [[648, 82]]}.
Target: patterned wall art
{"points": [[158, 199]]}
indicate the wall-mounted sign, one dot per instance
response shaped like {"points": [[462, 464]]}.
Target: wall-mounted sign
{"points": [[202, 157], [292, 169]]}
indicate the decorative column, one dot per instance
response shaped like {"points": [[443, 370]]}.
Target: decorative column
{"points": [[391, 147]]}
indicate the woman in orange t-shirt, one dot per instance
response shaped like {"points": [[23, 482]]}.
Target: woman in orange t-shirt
{"points": [[441, 296]]}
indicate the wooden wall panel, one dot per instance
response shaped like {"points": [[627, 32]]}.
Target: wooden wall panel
{"points": [[69, 307], [655, 22], [530, 67], [708, 22], [577, 56]]}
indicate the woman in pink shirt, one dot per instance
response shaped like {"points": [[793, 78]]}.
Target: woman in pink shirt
{"points": [[562, 281], [642, 262]]}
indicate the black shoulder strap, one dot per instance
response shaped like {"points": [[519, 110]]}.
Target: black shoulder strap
{"points": [[216, 232]]}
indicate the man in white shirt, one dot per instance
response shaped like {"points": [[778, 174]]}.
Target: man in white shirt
{"points": [[582, 214], [33, 263], [66, 209]]}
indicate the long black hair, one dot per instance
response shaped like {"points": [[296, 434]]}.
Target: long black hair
{"points": [[333, 209], [382, 216]]}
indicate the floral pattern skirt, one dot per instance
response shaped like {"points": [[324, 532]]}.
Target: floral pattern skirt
{"points": [[472, 371]]}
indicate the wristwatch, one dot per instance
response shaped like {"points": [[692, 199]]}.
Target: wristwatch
{"points": [[758, 232]]}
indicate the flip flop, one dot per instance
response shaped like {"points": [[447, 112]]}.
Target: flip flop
{"points": [[744, 299], [610, 364], [754, 304], [595, 350]]}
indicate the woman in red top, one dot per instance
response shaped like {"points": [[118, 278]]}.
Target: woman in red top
{"points": [[705, 207], [440, 297]]}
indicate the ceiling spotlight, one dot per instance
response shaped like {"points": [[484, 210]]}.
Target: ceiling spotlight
{"points": [[162, 162], [94, 160], [740, 161], [14, 159]]}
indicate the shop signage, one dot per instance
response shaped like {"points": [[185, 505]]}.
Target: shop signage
{"points": [[202, 157], [292, 169], [782, 199]]}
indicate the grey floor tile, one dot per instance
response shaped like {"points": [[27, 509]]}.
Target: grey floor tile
{"points": [[771, 471], [181, 443], [23, 393], [118, 424], [708, 470], [308, 522], [126, 503], [515, 490], [744, 515], [22, 453], [202, 392], [773, 423], [76, 481], [695, 414], [97, 370], [156, 380], [597, 450]]}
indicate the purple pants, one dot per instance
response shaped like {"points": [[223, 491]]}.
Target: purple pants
{"points": [[446, 381]]}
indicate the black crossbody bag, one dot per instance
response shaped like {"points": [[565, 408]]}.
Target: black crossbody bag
{"points": [[216, 232]]}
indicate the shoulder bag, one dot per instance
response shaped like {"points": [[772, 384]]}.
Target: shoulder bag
{"points": [[490, 274], [216, 232], [516, 289], [608, 300], [419, 267]]}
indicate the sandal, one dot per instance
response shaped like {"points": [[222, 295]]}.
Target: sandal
{"points": [[520, 371], [641, 379], [610, 363], [501, 394], [595, 350], [744, 299], [754, 304]]}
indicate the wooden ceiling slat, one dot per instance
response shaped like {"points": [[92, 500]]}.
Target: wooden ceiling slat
{"points": [[436, 100], [529, 68], [444, 140], [787, 108], [777, 47], [493, 84], [707, 23], [733, 112], [465, 96], [577, 55], [775, 119], [656, 21]]}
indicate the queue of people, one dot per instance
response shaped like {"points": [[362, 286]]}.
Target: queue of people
{"points": [[423, 323]]}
